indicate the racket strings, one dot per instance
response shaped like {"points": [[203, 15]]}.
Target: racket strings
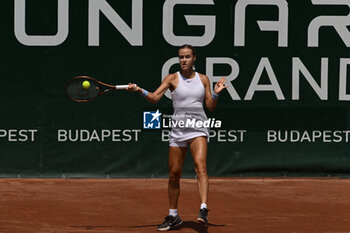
{"points": [[76, 91]]}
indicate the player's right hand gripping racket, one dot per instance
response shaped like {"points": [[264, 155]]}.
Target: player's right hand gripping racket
{"points": [[85, 89]]}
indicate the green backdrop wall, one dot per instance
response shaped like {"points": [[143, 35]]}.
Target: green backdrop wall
{"points": [[286, 112]]}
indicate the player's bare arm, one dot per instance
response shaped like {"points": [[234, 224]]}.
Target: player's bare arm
{"points": [[210, 102], [169, 82]]}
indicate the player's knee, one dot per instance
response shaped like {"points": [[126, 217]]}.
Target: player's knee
{"points": [[174, 177], [201, 171]]}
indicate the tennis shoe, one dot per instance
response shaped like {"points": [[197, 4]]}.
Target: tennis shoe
{"points": [[203, 215], [169, 223]]}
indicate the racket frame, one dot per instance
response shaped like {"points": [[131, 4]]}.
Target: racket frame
{"points": [[100, 86]]}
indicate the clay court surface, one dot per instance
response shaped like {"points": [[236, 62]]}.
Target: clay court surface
{"points": [[138, 205]]}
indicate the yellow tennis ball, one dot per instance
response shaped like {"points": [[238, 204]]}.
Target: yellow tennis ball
{"points": [[86, 84]]}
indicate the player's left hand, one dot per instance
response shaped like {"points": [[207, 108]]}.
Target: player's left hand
{"points": [[219, 86]]}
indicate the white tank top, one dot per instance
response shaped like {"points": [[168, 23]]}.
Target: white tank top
{"points": [[187, 100], [189, 93]]}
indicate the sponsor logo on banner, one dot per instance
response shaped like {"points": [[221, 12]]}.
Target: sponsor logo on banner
{"points": [[157, 120], [152, 120]]}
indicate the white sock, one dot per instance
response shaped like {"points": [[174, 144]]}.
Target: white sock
{"points": [[173, 212], [204, 205]]}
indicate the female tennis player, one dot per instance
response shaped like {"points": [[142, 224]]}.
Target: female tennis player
{"points": [[189, 90]]}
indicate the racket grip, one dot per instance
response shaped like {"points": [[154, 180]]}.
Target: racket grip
{"points": [[121, 87]]}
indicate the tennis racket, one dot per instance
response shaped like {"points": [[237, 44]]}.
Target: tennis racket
{"points": [[85, 89]]}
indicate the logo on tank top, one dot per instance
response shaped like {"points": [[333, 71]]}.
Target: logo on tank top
{"points": [[152, 120]]}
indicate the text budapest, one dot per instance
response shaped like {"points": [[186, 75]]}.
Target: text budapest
{"points": [[308, 136], [84, 135]]}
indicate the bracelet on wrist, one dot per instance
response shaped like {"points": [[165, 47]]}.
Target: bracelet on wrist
{"points": [[215, 96], [144, 93]]}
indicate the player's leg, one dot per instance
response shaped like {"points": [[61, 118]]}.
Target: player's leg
{"points": [[198, 148], [176, 161]]}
